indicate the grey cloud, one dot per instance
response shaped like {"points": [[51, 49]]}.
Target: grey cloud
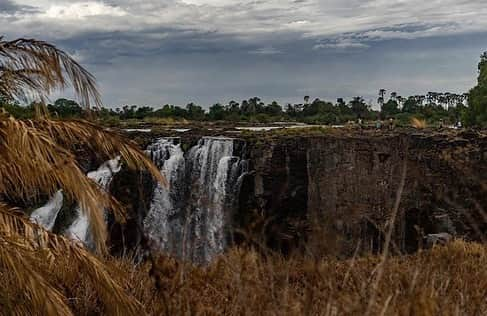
{"points": [[9, 7], [176, 51], [248, 20]]}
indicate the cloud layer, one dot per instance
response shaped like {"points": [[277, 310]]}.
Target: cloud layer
{"points": [[252, 20], [283, 37]]}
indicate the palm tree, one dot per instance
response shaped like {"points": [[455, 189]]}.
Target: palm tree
{"points": [[36, 159], [380, 100]]}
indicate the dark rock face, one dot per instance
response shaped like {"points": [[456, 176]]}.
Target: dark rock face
{"points": [[328, 194], [333, 193]]}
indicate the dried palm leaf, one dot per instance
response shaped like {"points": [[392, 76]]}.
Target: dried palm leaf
{"points": [[109, 143], [36, 67], [31, 163], [26, 243]]}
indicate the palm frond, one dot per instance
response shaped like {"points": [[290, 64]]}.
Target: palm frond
{"points": [[23, 242], [29, 66], [35, 161], [101, 141], [31, 163]]}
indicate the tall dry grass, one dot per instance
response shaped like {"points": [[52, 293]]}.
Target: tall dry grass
{"points": [[450, 280]]}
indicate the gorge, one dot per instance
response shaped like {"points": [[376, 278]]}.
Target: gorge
{"points": [[321, 193]]}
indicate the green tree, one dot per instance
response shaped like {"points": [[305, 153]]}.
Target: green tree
{"points": [[143, 112], [382, 93], [359, 107], [195, 112], [217, 112], [390, 108], [411, 105], [273, 109], [476, 113], [65, 108]]}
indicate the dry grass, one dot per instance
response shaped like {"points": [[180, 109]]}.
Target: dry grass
{"points": [[450, 280], [418, 123]]}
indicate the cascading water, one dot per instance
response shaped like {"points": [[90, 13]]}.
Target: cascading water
{"points": [[164, 222], [189, 218], [79, 229], [211, 162], [46, 216]]}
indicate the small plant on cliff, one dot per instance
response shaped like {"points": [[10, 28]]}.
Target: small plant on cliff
{"points": [[36, 158], [418, 123]]}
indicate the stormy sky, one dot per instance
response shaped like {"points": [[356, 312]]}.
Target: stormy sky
{"points": [[153, 52]]}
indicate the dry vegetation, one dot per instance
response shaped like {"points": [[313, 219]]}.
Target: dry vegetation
{"points": [[37, 158], [450, 280], [419, 123]]}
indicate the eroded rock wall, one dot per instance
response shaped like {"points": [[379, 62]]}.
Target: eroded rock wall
{"points": [[327, 194]]}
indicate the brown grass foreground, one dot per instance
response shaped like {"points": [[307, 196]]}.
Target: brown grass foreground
{"points": [[450, 280]]}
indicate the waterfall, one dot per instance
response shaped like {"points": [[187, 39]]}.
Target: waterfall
{"points": [[210, 161], [164, 222], [79, 229], [46, 215], [190, 217]]}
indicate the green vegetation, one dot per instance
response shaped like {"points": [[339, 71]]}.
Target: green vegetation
{"points": [[476, 114], [256, 111]]}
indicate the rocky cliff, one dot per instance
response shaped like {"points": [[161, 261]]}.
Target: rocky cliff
{"points": [[327, 192]]}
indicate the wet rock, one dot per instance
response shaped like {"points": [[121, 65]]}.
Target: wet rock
{"points": [[437, 239], [443, 223]]}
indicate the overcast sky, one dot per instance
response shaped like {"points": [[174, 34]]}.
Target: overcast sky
{"points": [[153, 52]]}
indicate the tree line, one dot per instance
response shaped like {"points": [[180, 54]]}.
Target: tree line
{"points": [[255, 110], [448, 107]]}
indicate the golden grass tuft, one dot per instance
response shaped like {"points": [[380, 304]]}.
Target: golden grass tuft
{"points": [[445, 281], [419, 123]]}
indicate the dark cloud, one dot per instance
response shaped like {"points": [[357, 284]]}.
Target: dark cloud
{"points": [[9, 7]]}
